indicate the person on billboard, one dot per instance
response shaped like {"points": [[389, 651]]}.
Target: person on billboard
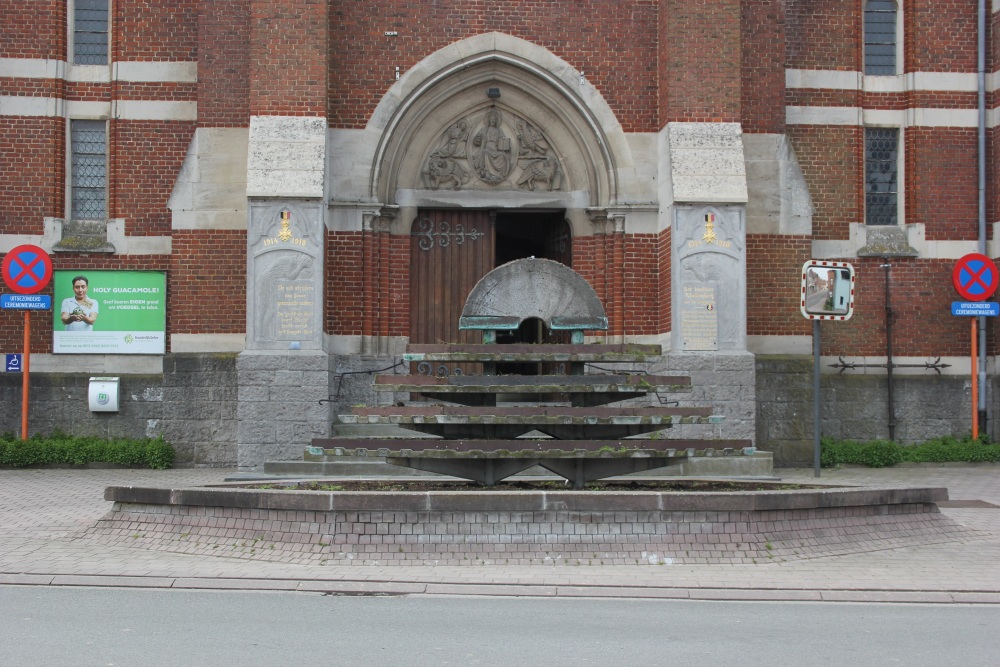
{"points": [[78, 312]]}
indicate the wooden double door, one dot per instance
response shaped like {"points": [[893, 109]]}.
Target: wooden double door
{"points": [[452, 249]]}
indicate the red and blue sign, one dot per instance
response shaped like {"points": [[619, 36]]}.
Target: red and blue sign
{"points": [[27, 269], [975, 277]]}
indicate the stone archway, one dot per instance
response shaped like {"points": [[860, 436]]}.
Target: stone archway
{"points": [[494, 121]]}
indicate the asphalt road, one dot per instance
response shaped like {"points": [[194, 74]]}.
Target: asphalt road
{"points": [[118, 626]]}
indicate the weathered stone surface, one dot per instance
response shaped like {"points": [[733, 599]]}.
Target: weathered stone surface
{"points": [[539, 288], [529, 527], [853, 406]]}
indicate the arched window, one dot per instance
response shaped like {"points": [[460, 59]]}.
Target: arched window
{"points": [[880, 37]]}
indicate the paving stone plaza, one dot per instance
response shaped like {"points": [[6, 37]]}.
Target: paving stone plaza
{"points": [[44, 515]]}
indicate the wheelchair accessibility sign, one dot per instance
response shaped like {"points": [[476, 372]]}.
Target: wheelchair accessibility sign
{"points": [[14, 363]]}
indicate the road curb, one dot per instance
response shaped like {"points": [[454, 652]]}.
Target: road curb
{"points": [[401, 588]]}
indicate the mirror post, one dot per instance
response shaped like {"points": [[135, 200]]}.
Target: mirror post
{"points": [[816, 423]]}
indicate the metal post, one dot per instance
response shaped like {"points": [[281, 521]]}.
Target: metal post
{"points": [[981, 406], [816, 417], [25, 372], [975, 381]]}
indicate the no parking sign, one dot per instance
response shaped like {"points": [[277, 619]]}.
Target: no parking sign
{"points": [[27, 269], [975, 277]]}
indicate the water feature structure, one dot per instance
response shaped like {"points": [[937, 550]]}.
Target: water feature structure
{"points": [[503, 421]]}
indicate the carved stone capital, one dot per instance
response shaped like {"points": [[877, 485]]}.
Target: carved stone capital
{"points": [[607, 221]]}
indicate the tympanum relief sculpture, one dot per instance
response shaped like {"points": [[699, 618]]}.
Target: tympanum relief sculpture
{"points": [[493, 148]]}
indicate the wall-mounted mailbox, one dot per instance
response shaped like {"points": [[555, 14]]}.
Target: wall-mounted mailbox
{"points": [[103, 394]]}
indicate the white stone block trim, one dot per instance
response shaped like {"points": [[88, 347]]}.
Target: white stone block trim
{"points": [[916, 237], [780, 344], [207, 342], [98, 364], [157, 72], [886, 117], [822, 115], [43, 68], [964, 82], [32, 68], [149, 110], [52, 107]]}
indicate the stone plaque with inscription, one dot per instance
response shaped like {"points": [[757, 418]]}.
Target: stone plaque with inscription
{"points": [[710, 279], [295, 314], [699, 318], [284, 301]]}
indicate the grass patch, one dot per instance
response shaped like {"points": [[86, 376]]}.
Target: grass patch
{"points": [[883, 453], [60, 448]]}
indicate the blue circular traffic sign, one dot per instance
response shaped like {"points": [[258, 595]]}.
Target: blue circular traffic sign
{"points": [[975, 277], [27, 269]]}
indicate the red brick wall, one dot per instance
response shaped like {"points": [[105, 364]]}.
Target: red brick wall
{"points": [[345, 281], [641, 310], [288, 57], [155, 30], [832, 162], [941, 182], [585, 250], [700, 61], [774, 281], [35, 29], [207, 283], [921, 295], [32, 177], [147, 156], [940, 35], [823, 34], [762, 37], [665, 280], [613, 43], [224, 63]]}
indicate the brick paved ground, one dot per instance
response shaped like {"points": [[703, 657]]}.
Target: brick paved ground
{"points": [[43, 513]]}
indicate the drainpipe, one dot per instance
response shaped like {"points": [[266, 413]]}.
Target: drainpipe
{"points": [[982, 203], [891, 416]]}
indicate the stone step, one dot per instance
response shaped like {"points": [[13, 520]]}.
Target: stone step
{"points": [[491, 448], [524, 353], [534, 384], [523, 413]]}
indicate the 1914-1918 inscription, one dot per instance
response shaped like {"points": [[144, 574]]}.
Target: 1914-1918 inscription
{"points": [[699, 317]]}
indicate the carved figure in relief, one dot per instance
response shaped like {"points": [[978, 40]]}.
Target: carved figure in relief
{"points": [[493, 161], [544, 172], [531, 143], [441, 171], [454, 140]]}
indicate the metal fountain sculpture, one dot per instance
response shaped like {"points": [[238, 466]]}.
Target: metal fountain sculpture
{"points": [[486, 424]]}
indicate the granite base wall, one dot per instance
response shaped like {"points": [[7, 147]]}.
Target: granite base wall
{"points": [[192, 404], [523, 537], [854, 406], [283, 404]]}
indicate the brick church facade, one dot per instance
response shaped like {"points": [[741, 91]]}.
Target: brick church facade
{"points": [[375, 159]]}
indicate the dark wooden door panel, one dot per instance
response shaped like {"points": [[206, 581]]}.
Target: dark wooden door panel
{"points": [[450, 250]]}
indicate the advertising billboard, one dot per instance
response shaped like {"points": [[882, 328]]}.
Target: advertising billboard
{"points": [[109, 312]]}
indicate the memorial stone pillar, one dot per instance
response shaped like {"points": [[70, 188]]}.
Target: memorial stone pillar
{"points": [[284, 372], [707, 217]]}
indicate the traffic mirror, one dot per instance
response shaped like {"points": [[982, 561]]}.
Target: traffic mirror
{"points": [[827, 290]]}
